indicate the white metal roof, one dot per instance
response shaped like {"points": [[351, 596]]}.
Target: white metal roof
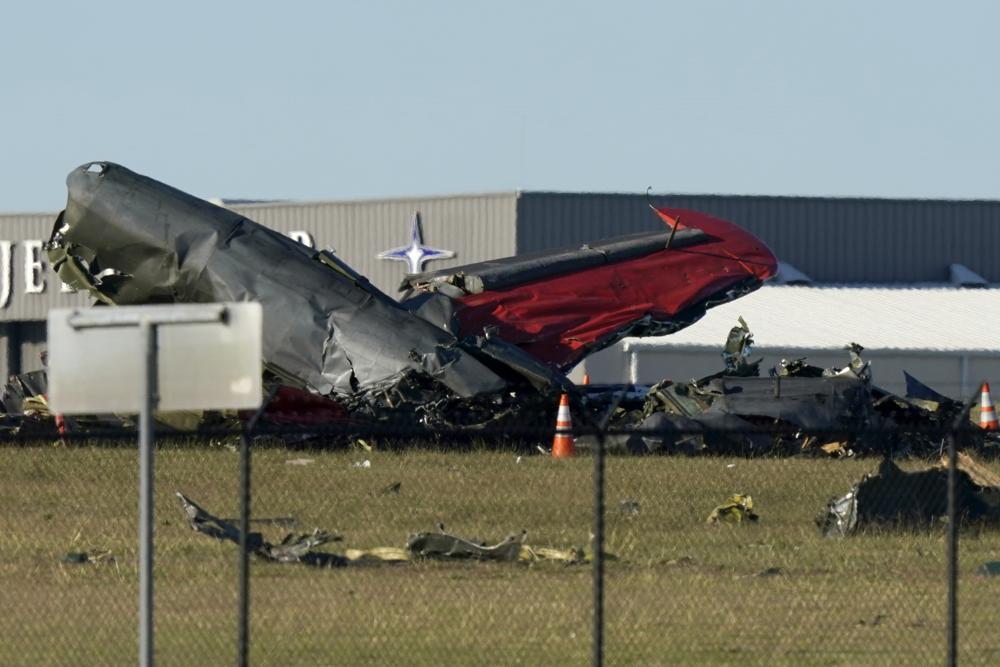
{"points": [[925, 318]]}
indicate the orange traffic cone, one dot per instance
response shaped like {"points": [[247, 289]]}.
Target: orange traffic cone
{"points": [[586, 379], [987, 413], [563, 445]]}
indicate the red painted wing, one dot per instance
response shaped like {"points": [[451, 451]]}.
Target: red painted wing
{"points": [[562, 319]]}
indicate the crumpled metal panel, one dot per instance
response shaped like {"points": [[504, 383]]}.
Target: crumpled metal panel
{"points": [[811, 403], [130, 239], [897, 498]]}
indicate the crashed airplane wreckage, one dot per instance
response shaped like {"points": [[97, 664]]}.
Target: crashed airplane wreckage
{"points": [[798, 408], [465, 347]]}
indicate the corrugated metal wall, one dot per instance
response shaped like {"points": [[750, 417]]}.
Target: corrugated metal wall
{"points": [[7, 367], [21, 345], [32, 340], [832, 240], [475, 227]]}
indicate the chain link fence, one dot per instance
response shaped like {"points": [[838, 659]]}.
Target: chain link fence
{"points": [[396, 547]]}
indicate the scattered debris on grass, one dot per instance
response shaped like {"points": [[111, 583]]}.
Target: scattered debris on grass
{"points": [[293, 548], [736, 510], [439, 545]]}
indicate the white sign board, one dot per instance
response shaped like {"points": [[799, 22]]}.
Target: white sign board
{"points": [[209, 357]]}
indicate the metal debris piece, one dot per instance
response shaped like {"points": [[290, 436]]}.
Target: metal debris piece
{"points": [[737, 510], [737, 351], [895, 498], [21, 387], [443, 545], [392, 489], [292, 549], [513, 548], [841, 516]]}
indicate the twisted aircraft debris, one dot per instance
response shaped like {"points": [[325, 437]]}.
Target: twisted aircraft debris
{"points": [[464, 346], [438, 545], [797, 409], [896, 498], [473, 345]]}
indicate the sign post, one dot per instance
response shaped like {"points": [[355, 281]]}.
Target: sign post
{"points": [[144, 358], [147, 331]]}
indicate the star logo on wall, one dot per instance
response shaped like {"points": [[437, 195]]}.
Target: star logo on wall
{"points": [[415, 254]]}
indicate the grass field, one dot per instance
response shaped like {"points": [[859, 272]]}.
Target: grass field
{"points": [[680, 593]]}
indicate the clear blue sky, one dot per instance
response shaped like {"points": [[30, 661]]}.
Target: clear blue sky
{"points": [[351, 100]]}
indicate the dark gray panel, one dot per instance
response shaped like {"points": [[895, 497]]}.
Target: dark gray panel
{"points": [[833, 240], [32, 341]]}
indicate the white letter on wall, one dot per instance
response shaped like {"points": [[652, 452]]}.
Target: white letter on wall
{"points": [[34, 268], [305, 238], [6, 272]]}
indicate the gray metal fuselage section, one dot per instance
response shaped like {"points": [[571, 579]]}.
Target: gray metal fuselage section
{"points": [[129, 239]]}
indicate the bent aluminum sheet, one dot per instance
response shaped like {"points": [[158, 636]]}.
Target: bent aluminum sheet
{"points": [[812, 403]]}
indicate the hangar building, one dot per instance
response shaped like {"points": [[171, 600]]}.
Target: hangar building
{"points": [[901, 246]]}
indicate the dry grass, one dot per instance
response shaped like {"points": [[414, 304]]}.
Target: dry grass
{"points": [[681, 593]]}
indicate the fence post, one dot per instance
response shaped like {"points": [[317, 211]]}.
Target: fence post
{"points": [[147, 411], [243, 603], [244, 575], [952, 553], [598, 550]]}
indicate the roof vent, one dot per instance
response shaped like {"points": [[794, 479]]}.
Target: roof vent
{"points": [[962, 276], [789, 275]]}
